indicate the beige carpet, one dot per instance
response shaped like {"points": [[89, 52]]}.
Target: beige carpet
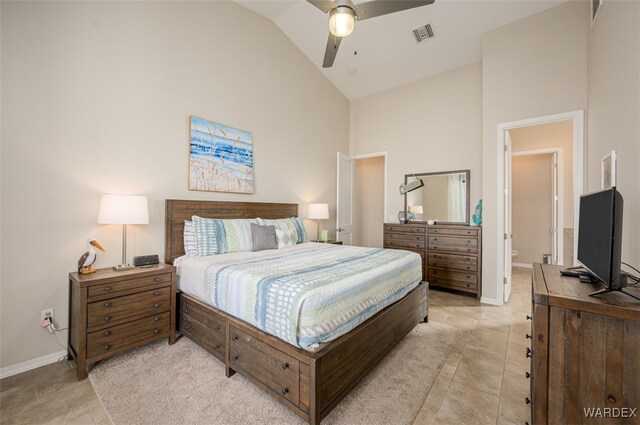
{"points": [[183, 384]]}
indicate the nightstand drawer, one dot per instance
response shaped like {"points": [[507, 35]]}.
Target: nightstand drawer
{"points": [[106, 342], [123, 285], [114, 309]]}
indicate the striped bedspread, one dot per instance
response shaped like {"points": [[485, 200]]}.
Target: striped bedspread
{"points": [[304, 295]]}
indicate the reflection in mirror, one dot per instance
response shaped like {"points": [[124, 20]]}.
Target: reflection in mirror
{"points": [[443, 198]]}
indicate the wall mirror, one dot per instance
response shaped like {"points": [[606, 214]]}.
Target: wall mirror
{"points": [[444, 197]]}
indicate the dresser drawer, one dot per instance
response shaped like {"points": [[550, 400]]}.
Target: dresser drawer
{"points": [[209, 337], [106, 342], [456, 280], [208, 319], [455, 232], [273, 368], [401, 244], [409, 237], [452, 244], [451, 261], [404, 229], [115, 309], [123, 285]]}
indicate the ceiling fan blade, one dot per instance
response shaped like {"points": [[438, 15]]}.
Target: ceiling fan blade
{"points": [[371, 9], [325, 5], [331, 51]]}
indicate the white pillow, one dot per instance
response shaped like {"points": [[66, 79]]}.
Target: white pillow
{"points": [[286, 238], [189, 239]]}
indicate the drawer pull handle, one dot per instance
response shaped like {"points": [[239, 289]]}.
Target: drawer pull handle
{"points": [[529, 352], [285, 391], [527, 336], [156, 293], [235, 337], [468, 250], [156, 305], [107, 304], [527, 400], [527, 375], [156, 331], [107, 289], [234, 358], [215, 347], [529, 317], [187, 311], [107, 318], [107, 347], [188, 327], [217, 327], [435, 239], [285, 365], [156, 319], [106, 333], [156, 279]]}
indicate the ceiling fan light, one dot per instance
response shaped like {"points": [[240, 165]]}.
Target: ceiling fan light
{"points": [[342, 21]]}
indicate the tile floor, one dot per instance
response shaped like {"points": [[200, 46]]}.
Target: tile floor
{"points": [[482, 381]]}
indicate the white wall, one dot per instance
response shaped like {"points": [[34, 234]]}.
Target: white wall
{"points": [[430, 125], [613, 120], [96, 98], [369, 202], [533, 67], [531, 207]]}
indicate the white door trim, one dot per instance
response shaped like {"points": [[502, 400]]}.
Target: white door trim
{"points": [[560, 218], [578, 178], [376, 155]]}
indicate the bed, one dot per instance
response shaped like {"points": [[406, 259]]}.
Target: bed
{"points": [[297, 358]]}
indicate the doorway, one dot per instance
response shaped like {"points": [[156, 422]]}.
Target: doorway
{"points": [[561, 221], [361, 199]]}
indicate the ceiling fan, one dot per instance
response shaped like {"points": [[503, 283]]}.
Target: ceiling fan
{"points": [[343, 15]]}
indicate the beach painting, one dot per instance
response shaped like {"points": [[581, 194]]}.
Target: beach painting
{"points": [[220, 158]]}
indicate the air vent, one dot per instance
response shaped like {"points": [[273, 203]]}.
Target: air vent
{"points": [[423, 33]]}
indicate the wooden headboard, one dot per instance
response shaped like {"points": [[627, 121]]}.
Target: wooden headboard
{"points": [[177, 211]]}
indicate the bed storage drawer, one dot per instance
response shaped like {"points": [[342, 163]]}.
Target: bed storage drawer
{"points": [[125, 285], [210, 320], [106, 342], [113, 310], [214, 343], [451, 261], [273, 368]]}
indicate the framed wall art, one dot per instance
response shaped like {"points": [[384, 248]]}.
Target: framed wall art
{"points": [[220, 158]]}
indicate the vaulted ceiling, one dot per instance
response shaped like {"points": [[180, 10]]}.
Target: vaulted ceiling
{"points": [[388, 54]]}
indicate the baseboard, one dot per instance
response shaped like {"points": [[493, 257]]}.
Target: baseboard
{"points": [[524, 265], [17, 368], [491, 301]]}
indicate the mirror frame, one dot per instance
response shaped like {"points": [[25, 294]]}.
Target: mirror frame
{"points": [[439, 173]]}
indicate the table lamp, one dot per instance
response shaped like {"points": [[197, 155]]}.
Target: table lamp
{"points": [[318, 212], [123, 209]]}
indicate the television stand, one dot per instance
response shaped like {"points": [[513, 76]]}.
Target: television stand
{"points": [[623, 283]]}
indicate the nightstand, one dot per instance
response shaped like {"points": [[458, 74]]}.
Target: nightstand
{"points": [[111, 312]]}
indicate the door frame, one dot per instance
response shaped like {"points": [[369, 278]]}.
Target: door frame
{"points": [[382, 154], [560, 210], [577, 117]]}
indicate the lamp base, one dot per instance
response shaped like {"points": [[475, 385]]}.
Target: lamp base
{"points": [[123, 267]]}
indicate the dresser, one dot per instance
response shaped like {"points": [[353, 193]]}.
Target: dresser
{"points": [[451, 254], [114, 311], [584, 351]]}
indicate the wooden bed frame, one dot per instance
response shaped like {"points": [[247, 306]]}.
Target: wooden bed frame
{"points": [[309, 384]]}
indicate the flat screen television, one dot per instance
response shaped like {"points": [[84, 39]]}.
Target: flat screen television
{"points": [[600, 238]]}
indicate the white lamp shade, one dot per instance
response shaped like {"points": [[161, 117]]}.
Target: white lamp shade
{"points": [[416, 209], [123, 209], [318, 211]]}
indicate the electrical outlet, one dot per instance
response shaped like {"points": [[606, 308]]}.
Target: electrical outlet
{"points": [[46, 313]]}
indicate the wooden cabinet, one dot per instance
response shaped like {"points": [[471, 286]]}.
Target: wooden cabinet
{"points": [[113, 311], [584, 351], [451, 254]]}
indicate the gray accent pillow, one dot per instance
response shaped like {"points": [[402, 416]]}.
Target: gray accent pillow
{"points": [[264, 237]]}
